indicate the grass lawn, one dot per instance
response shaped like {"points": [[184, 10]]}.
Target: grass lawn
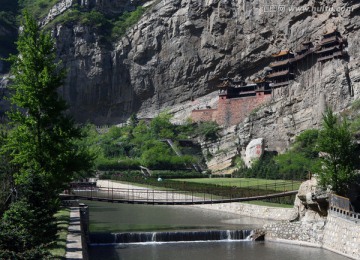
{"points": [[268, 204], [279, 185], [58, 250]]}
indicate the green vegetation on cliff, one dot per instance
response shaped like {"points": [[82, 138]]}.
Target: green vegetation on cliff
{"points": [[300, 160], [152, 144], [110, 27]]}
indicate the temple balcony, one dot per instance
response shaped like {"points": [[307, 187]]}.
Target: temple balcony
{"points": [[279, 63], [333, 39], [329, 49], [279, 74]]}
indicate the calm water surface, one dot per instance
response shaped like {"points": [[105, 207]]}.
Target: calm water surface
{"points": [[108, 217], [212, 251]]}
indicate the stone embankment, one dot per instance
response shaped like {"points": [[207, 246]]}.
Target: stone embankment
{"points": [[335, 233], [317, 227]]}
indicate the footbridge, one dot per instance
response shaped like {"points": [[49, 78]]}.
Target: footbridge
{"points": [[163, 197]]}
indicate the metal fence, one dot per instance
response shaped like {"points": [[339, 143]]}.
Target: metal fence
{"points": [[341, 206]]}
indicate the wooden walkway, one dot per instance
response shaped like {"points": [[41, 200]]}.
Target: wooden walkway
{"points": [[155, 197]]}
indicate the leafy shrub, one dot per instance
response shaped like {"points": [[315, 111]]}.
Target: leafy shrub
{"points": [[117, 164], [125, 21]]}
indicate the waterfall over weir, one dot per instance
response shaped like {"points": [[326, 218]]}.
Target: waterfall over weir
{"points": [[177, 236]]}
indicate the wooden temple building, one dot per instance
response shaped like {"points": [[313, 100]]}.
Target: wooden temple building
{"points": [[331, 46], [237, 98], [230, 88], [281, 69]]}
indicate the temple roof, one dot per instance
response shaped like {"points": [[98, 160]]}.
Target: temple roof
{"points": [[280, 53]]}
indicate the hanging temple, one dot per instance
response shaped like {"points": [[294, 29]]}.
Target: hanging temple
{"points": [[238, 98]]}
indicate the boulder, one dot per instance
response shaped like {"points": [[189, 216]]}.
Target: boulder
{"points": [[254, 150]]}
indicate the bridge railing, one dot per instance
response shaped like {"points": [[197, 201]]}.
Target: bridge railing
{"points": [[150, 196], [342, 207]]}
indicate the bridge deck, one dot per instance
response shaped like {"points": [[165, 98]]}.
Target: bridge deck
{"points": [[152, 197]]}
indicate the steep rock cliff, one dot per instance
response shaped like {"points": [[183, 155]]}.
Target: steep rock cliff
{"points": [[180, 48]]}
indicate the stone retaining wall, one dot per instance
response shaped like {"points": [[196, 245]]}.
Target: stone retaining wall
{"points": [[335, 233], [296, 231], [256, 211], [342, 236]]}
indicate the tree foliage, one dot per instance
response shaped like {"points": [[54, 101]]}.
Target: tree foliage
{"points": [[43, 139], [295, 164], [42, 146], [338, 147]]}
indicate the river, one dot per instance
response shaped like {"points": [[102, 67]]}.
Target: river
{"points": [[120, 218]]}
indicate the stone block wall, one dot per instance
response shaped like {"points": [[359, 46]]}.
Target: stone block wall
{"points": [[231, 111], [342, 236], [299, 232], [204, 115], [250, 210]]}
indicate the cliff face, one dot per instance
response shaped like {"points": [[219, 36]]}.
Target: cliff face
{"points": [[179, 50]]}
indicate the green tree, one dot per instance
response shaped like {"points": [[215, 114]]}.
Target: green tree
{"points": [[43, 139], [302, 158], [42, 145], [338, 146]]}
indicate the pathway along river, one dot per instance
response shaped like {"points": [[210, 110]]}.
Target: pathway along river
{"points": [[167, 222]]}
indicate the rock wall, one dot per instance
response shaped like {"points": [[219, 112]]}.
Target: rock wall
{"points": [[255, 211]]}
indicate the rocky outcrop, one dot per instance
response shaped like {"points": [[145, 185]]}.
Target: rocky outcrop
{"points": [[308, 223], [59, 8], [311, 202]]}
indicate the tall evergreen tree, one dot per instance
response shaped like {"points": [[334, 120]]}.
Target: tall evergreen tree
{"points": [[42, 144]]}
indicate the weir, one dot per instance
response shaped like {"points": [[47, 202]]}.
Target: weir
{"points": [[176, 236]]}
